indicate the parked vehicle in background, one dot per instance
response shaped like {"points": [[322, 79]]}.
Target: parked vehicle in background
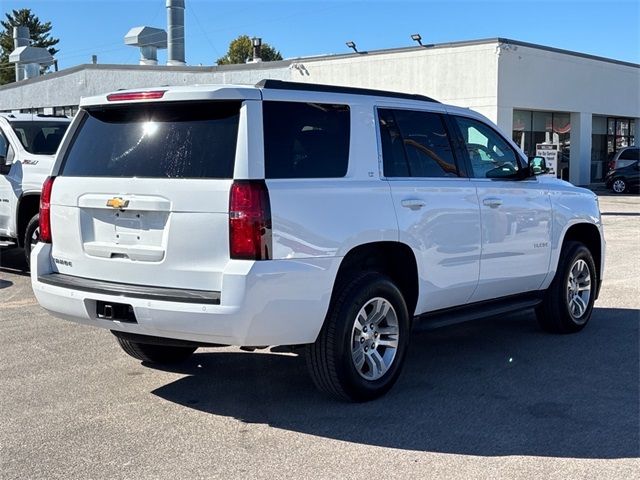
{"points": [[624, 157], [626, 178], [323, 218], [28, 143]]}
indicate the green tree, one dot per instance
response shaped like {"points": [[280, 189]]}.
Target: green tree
{"points": [[39, 33], [241, 49]]}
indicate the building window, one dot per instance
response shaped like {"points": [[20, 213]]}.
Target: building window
{"points": [[608, 135], [531, 129], [522, 131], [69, 110]]}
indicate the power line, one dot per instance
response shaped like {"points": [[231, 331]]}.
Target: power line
{"points": [[192, 10]]}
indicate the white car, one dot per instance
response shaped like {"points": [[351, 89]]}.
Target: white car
{"points": [[324, 218], [28, 143]]}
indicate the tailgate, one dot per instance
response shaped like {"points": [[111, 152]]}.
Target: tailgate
{"points": [[142, 196], [171, 236]]}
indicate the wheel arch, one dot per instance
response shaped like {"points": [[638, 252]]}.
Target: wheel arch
{"points": [[28, 206], [392, 258], [588, 234]]}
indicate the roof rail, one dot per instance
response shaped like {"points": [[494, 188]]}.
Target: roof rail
{"points": [[316, 87]]}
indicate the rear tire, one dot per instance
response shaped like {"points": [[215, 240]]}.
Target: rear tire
{"points": [[568, 302], [160, 354], [360, 351], [31, 236], [619, 185]]}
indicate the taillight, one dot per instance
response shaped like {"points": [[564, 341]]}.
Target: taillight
{"points": [[45, 210], [612, 165], [249, 220], [149, 95]]}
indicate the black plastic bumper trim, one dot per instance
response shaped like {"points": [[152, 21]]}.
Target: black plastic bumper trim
{"points": [[131, 291], [167, 342]]}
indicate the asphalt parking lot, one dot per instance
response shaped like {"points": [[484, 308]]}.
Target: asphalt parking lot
{"points": [[494, 398]]}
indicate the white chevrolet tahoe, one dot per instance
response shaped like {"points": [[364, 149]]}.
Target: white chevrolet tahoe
{"points": [[323, 218], [27, 147]]}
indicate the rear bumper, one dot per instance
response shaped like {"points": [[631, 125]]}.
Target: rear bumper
{"points": [[276, 302]]}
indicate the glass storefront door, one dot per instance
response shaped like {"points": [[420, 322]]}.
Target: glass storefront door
{"points": [[533, 128]]}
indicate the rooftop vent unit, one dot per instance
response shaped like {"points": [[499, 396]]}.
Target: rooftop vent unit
{"points": [[256, 44], [28, 59], [149, 39]]}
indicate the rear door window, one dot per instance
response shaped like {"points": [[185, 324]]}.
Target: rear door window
{"points": [[40, 137], [415, 144], [306, 140], [156, 140]]}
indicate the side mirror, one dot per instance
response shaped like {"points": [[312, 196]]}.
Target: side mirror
{"points": [[537, 165], [4, 167]]}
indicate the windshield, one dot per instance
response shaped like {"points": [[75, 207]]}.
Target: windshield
{"points": [[161, 140], [39, 137]]}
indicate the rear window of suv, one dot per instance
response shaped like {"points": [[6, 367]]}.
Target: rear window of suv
{"points": [[306, 140], [156, 140]]}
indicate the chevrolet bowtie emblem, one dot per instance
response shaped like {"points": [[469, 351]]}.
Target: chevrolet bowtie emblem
{"points": [[117, 202]]}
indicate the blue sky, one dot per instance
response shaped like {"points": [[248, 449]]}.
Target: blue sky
{"points": [[302, 28]]}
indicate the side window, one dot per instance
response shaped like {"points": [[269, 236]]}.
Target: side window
{"points": [[415, 144], [6, 155], [630, 154], [490, 155], [4, 145], [305, 140], [628, 157]]}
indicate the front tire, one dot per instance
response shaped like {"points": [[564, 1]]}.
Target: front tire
{"points": [[360, 351], [568, 302], [160, 354], [619, 185], [31, 236]]}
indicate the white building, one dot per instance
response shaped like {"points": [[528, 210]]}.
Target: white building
{"points": [[585, 106]]}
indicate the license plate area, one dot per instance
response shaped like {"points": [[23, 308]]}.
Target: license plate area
{"points": [[117, 312], [128, 228]]}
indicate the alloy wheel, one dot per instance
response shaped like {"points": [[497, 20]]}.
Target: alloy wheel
{"points": [[619, 186], [374, 338], [578, 289]]}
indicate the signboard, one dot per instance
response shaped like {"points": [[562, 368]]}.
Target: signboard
{"points": [[550, 154]]}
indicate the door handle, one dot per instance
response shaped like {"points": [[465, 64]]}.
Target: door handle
{"points": [[492, 202], [413, 203]]}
